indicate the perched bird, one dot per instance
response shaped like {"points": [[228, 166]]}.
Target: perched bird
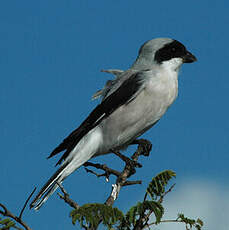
{"points": [[131, 104]]}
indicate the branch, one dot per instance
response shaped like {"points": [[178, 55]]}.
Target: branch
{"points": [[145, 217], [197, 223], [164, 221], [26, 202], [108, 171], [163, 195], [7, 213], [98, 175], [19, 220], [144, 148], [66, 197], [132, 182]]}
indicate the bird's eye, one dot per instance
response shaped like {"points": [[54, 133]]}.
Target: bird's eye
{"points": [[173, 49]]}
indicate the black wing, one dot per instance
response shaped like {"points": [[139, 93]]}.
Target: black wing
{"points": [[123, 95]]}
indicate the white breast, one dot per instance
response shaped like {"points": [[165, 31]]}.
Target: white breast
{"points": [[131, 120], [163, 86]]}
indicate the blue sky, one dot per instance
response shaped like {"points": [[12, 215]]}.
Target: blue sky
{"points": [[50, 61]]}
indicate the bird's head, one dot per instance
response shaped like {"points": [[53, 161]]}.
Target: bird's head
{"points": [[163, 51]]}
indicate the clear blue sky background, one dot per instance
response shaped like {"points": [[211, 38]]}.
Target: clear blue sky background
{"points": [[51, 54]]}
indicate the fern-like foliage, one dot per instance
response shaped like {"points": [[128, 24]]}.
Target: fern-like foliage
{"points": [[157, 186], [94, 214], [139, 216], [198, 224], [142, 209], [6, 223]]}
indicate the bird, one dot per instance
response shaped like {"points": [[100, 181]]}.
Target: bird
{"points": [[131, 104]]}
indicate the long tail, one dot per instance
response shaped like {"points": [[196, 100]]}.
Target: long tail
{"points": [[49, 188], [83, 151]]}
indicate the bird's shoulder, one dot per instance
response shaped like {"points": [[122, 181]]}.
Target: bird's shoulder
{"points": [[125, 89]]}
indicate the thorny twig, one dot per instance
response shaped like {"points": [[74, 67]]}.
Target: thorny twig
{"points": [[7, 213], [144, 218], [163, 195], [66, 197], [144, 147], [19, 220], [26, 202], [164, 221], [107, 171]]}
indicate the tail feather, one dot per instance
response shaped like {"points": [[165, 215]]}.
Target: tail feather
{"points": [[82, 152], [50, 191], [49, 188]]}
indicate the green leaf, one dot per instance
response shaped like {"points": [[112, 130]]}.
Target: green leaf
{"points": [[5, 221], [93, 214], [157, 186], [143, 208], [186, 220], [10, 224], [198, 224]]}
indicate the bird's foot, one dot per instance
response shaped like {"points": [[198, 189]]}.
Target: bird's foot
{"points": [[144, 146]]}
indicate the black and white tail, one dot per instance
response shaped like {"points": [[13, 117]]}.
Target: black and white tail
{"points": [[82, 152], [49, 188]]}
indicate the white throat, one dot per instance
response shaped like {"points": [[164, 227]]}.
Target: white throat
{"points": [[172, 65]]}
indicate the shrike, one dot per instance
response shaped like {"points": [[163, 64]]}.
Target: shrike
{"points": [[131, 104]]}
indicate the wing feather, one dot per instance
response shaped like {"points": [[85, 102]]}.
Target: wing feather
{"points": [[128, 90]]}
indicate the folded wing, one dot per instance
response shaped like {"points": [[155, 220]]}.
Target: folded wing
{"points": [[123, 94]]}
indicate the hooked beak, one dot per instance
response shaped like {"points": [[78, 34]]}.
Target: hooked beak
{"points": [[189, 58]]}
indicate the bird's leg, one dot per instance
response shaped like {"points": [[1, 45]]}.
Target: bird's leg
{"points": [[121, 156]]}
